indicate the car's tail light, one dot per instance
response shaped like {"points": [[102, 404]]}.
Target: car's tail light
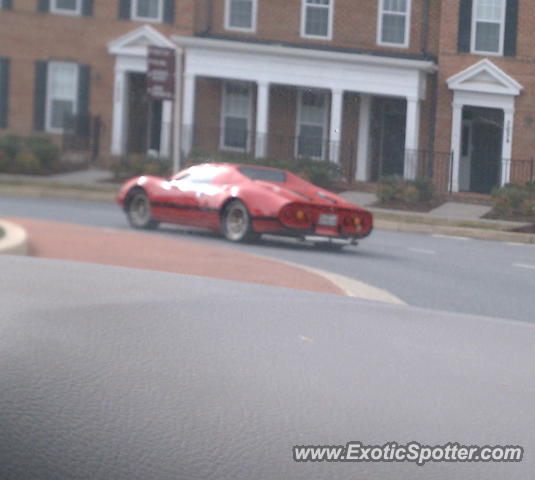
{"points": [[357, 222], [296, 216]]}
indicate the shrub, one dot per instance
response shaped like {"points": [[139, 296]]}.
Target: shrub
{"points": [[394, 189], [11, 145], [45, 150], [133, 165], [27, 162], [318, 172], [514, 200]]}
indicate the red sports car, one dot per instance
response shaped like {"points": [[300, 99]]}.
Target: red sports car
{"points": [[243, 202]]}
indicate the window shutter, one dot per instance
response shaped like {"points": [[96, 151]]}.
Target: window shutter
{"points": [[84, 88], [465, 25], [43, 5], [87, 8], [125, 7], [169, 11], [511, 25], [7, 4], [4, 91], [39, 101]]}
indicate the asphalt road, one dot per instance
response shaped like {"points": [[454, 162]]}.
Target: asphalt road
{"points": [[445, 273]]}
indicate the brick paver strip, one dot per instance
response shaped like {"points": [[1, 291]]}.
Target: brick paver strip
{"points": [[154, 252]]}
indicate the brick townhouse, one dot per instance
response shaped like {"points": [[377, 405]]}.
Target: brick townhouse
{"points": [[421, 87]]}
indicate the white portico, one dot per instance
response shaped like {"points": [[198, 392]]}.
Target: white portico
{"points": [[131, 52], [305, 68], [484, 86]]}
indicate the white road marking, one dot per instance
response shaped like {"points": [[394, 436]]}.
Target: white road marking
{"points": [[516, 244], [422, 250], [452, 237], [524, 265]]}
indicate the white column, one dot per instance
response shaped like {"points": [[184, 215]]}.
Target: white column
{"points": [[507, 146], [262, 119], [363, 147], [165, 135], [188, 113], [412, 138], [335, 136], [118, 134], [456, 131]]}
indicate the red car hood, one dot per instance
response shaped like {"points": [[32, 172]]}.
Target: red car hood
{"points": [[312, 195]]}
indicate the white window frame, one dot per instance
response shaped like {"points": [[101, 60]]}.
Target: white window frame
{"points": [[135, 17], [254, 13], [408, 16], [49, 98], [473, 27], [330, 21], [222, 145], [298, 123], [62, 11]]}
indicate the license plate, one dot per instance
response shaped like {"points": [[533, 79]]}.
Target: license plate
{"points": [[328, 220]]}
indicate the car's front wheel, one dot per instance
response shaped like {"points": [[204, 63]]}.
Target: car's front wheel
{"points": [[138, 211], [236, 222]]}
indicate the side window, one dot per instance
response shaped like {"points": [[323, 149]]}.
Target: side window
{"points": [[311, 124], [66, 7], [236, 116], [317, 18], [147, 10], [241, 15], [394, 22], [488, 26]]}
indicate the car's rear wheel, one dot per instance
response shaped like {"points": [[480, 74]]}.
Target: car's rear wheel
{"points": [[236, 222], [138, 211]]}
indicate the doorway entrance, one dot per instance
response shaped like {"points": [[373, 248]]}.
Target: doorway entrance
{"points": [[481, 149], [144, 119], [388, 140]]}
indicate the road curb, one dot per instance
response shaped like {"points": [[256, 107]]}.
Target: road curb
{"points": [[14, 240], [59, 192], [476, 233], [351, 287]]}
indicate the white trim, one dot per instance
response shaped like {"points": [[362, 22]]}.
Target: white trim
{"points": [[330, 21], [241, 29], [408, 19], [279, 51], [466, 80], [137, 18], [66, 11], [473, 31], [48, 117], [222, 145], [298, 122]]}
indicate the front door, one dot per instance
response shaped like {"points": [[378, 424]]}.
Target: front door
{"points": [[138, 114], [486, 156]]}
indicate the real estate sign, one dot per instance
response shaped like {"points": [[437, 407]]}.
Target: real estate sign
{"points": [[161, 73]]}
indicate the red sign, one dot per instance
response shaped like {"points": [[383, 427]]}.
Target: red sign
{"points": [[161, 73]]}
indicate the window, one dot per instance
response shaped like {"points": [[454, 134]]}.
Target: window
{"points": [[62, 94], [488, 26], [236, 116], [66, 7], [240, 15], [147, 10], [276, 176], [317, 18], [394, 22], [311, 120]]}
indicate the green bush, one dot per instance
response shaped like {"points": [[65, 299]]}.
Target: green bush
{"points": [[45, 150], [27, 162], [14, 154], [514, 200], [396, 190], [133, 165], [320, 173]]}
